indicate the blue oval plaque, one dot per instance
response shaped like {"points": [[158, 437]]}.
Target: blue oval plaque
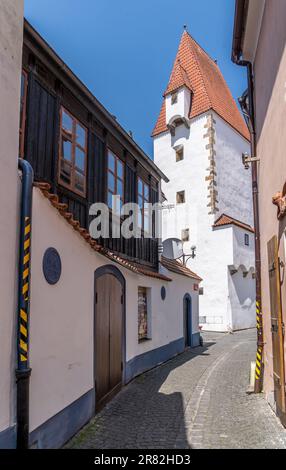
{"points": [[163, 292], [52, 266]]}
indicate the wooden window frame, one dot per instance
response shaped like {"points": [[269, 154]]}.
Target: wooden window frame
{"points": [[116, 177], [144, 184], [23, 104], [74, 145]]}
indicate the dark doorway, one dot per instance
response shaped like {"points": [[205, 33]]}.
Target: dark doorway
{"points": [[109, 333], [188, 320]]}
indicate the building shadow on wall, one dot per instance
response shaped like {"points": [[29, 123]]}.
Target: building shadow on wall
{"points": [[150, 412]]}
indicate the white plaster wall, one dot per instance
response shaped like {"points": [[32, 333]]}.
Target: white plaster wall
{"points": [[11, 31], [187, 174], [243, 255], [233, 181], [216, 249], [61, 334], [214, 256], [242, 300], [166, 316]]}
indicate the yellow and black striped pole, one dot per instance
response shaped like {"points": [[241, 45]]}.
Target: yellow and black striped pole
{"points": [[24, 310], [23, 370], [259, 353]]}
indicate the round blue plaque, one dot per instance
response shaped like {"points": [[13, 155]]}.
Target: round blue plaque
{"points": [[52, 266]]}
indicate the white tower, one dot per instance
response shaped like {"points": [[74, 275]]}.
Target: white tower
{"points": [[199, 139]]}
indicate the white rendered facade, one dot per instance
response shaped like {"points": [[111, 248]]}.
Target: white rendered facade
{"points": [[215, 183]]}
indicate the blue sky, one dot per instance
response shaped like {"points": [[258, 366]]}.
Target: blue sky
{"points": [[123, 50]]}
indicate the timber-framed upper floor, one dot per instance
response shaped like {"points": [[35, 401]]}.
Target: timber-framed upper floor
{"points": [[78, 147]]}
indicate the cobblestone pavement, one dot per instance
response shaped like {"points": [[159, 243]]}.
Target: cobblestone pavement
{"points": [[197, 400]]}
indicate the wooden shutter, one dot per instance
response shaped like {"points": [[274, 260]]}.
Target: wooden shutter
{"points": [[277, 326], [42, 122]]}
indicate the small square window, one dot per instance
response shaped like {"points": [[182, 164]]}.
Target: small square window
{"points": [[185, 236], [246, 239], [180, 154], [174, 98], [180, 197], [115, 178]]}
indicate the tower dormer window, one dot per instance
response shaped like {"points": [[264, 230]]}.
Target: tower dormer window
{"points": [[174, 98]]}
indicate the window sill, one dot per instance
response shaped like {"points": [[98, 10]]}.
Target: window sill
{"points": [[144, 340]]}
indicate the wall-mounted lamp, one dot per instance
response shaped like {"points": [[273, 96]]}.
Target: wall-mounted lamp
{"points": [[246, 160], [192, 255]]}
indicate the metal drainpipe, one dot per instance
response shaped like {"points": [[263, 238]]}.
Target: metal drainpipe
{"points": [[159, 214], [259, 320], [23, 370]]}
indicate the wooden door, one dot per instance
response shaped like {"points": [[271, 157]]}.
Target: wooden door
{"points": [[277, 326], [108, 337], [115, 315]]}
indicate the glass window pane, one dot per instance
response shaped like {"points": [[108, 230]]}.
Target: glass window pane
{"points": [[140, 202], [140, 186], [139, 219], [67, 122], [111, 182], [146, 192], [65, 173], [79, 182], [120, 188], [66, 149], [119, 169], [111, 162], [80, 135], [109, 202], [23, 82], [118, 205], [146, 222], [79, 159]]}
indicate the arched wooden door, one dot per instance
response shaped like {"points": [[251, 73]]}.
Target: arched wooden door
{"points": [[109, 302]]}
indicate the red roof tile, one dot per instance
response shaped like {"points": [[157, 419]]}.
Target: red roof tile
{"points": [[178, 268], [226, 220], [179, 77], [194, 68]]}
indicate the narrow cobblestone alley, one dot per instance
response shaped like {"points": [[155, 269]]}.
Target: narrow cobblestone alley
{"points": [[197, 400]]}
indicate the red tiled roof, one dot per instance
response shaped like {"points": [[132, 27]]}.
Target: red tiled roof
{"points": [[194, 68], [178, 268], [226, 220], [62, 208], [179, 77]]}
